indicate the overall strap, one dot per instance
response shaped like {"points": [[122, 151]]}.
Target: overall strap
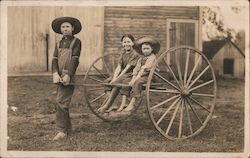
{"points": [[57, 45], [72, 43], [70, 47]]}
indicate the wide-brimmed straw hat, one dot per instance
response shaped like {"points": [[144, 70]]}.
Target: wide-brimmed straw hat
{"points": [[56, 24], [154, 43]]}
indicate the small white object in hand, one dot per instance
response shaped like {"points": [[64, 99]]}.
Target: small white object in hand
{"points": [[54, 92], [214, 117], [13, 108]]}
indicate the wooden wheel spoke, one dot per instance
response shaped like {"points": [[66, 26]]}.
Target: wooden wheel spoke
{"points": [[97, 98], [113, 64], [187, 100], [94, 86], [172, 91], [172, 72], [181, 119], [198, 103], [201, 85], [99, 71], [171, 84], [203, 94], [169, 108], [193, 70], [106, 99], [95, 79], [186, 66], [196, 115], [188, 117], [179, 68], [198, 77], [106, 66], [164, 102], [173, 117]]}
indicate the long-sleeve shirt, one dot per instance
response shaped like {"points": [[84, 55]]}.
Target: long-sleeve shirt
{"points": [[145, 63], [74, 61]]}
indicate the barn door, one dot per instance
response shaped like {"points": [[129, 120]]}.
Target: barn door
{"points": [[26, 38], [181, 32], [29, 51]]}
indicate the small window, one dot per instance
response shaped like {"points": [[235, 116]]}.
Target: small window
{"points": [[228, 65]]}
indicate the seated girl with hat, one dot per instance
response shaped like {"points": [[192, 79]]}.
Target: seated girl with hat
{"points": [[147, 47], [64, 64]]}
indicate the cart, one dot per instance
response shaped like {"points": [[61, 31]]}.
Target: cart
{"points": [[180, 92]]}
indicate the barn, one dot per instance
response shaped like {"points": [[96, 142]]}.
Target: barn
{"points": [[31, 40], [226, 58]]}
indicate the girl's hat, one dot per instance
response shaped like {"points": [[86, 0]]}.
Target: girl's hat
{"points": [[154, 43], [56, 24]]}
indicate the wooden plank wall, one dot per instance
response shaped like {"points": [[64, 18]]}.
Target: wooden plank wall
{"points": [[28, 26], [102, 30], [24, 49], [139, 21], [229, 52]]}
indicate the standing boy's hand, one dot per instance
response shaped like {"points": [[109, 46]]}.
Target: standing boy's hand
{"points": [[56, 77], [113, 80], [66, 80], [131, 83]]}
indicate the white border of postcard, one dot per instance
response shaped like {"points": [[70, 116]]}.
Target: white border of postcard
{"points": [[3, 79]]}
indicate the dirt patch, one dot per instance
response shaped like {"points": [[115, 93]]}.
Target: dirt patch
{"points": [[32, 127]]}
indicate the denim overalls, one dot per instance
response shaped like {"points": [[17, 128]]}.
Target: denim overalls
{"points": [[64, 93]]}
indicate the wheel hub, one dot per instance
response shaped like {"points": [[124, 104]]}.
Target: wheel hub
{"points": [[185, 92]]}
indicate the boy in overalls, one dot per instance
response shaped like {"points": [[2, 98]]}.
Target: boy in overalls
{"points": [[64, 64]]}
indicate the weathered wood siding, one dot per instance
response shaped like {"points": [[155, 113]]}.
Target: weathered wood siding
{"points": [[26, 39], [229, 52], [102, 30], [139, 21], [27, 29]]}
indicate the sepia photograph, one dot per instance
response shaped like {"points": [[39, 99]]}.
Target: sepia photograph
{"points": [[125, 79]]}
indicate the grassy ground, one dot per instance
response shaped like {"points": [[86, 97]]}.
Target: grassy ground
{"points": [[32, 126]]}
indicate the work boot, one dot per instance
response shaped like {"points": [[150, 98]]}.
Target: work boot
{"points": [[60, 136]]}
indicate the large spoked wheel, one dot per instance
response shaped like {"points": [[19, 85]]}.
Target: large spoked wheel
{"points": [[181, 106], [95, 91]]}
